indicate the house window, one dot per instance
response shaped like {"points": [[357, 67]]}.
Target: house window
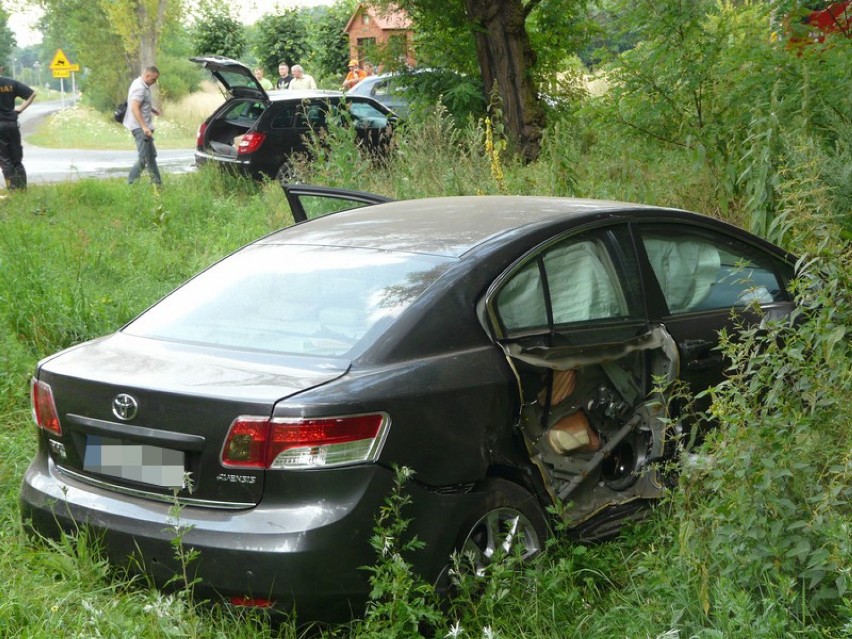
{"points": [[365, 19], [366, 48]]}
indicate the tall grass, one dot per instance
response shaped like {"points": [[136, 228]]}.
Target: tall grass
{"points": [[755, 543]]}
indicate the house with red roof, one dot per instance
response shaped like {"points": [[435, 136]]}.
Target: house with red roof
{"points": [[371, 30]]}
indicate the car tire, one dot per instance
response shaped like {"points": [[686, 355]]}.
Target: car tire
{"points": [[287, 174], [508, 515]]}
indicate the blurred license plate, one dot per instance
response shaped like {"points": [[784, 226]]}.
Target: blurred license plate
{"points": [[135, 462]]}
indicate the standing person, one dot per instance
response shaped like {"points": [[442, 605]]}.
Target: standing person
{"points": [[301, 80], [265, 83], [139, 120], [354, 76], [11, 149], [369, 69], [284, 76]]}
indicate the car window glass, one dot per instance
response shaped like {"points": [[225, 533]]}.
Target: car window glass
{"points": [[236, 79], [283, 118], [581, 283], [307, 300], [321, 205], [248, 110], [697, 272], [382, 88], [521, 302], [364, 112], [311, 114]]}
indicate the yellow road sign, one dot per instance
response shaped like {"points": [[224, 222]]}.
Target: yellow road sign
{"points": [[59, 61], [61, 73]]}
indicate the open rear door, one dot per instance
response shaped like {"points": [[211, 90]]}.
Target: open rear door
{"points": [[308, 202]]}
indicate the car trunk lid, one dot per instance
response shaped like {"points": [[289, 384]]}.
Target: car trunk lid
{"points": [[137, 413], [237, 79]]}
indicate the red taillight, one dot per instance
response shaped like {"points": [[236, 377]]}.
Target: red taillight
{"points": [[44, 408], [251, 602], [250, 143], [255, 442], [199, 137]]}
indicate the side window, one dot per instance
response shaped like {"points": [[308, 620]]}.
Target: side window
{"points": [[242, 110], [382, 88], [583, 283], [365, 112], [521, 302], [699, 271], [284, 117], [572, 281], [311, 114]]}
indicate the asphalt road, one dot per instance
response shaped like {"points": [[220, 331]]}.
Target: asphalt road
{"points": [[60, 165]]}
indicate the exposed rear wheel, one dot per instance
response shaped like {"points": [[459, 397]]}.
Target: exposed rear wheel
{"points": [[509, 522]]}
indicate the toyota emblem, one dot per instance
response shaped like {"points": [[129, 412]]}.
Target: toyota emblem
{"points": [[124, 407]]}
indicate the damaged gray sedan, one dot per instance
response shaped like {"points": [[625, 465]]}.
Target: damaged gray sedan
{"points": [[506, 349]]}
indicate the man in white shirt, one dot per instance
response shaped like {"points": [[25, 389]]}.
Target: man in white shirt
{"points": [[301, 80], [139, 120]]}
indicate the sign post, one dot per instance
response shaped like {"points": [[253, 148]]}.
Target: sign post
{"points": [[62, 69]]}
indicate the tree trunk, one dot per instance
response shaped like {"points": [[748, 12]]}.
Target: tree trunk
{"points": [[507, 58]]}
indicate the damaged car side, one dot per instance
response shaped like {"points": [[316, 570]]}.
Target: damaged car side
{"points": [[508, 350]]}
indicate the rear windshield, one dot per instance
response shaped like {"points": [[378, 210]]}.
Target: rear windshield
{"points": [[307, 300]]}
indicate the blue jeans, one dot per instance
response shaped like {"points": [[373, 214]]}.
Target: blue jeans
{"points": [[147, 158]]}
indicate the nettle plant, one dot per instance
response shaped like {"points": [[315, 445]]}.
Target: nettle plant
{"points": [[767, 510]]}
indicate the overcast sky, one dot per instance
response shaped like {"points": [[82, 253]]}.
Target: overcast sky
{"points": [[22, 22]]}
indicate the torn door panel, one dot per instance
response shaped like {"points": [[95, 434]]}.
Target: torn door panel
{"points": [[591, 425]]}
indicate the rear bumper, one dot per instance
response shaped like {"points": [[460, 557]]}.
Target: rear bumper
{"points": [[308, 553], [238, 165]]}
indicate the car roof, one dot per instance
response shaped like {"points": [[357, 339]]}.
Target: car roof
{"points": [[364, 85], [447, 226], [301, 94]]}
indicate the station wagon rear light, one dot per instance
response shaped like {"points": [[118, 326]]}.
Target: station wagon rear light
{"points": [[251, 602], [44, 408], [284, 443], [250, 143], [199, 136]]}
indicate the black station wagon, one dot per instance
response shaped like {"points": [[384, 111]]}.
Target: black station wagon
{"points": [[256, 132], [503, 348]]}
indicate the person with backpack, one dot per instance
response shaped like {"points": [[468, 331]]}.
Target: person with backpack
{"points": [[139, 121]]}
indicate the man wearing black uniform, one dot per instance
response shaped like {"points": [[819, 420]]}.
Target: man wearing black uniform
{"points": [[11, 151]]}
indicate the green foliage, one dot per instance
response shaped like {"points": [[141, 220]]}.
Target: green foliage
{"points": [[772, 515], [7, 42], [443, 37], [461, 95], [401, 604], [675, 87], [336, 153], [329, 44], [217, 32], [87, 33], [558, 30], [284, 36], [84, 33], [178, 78]]}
